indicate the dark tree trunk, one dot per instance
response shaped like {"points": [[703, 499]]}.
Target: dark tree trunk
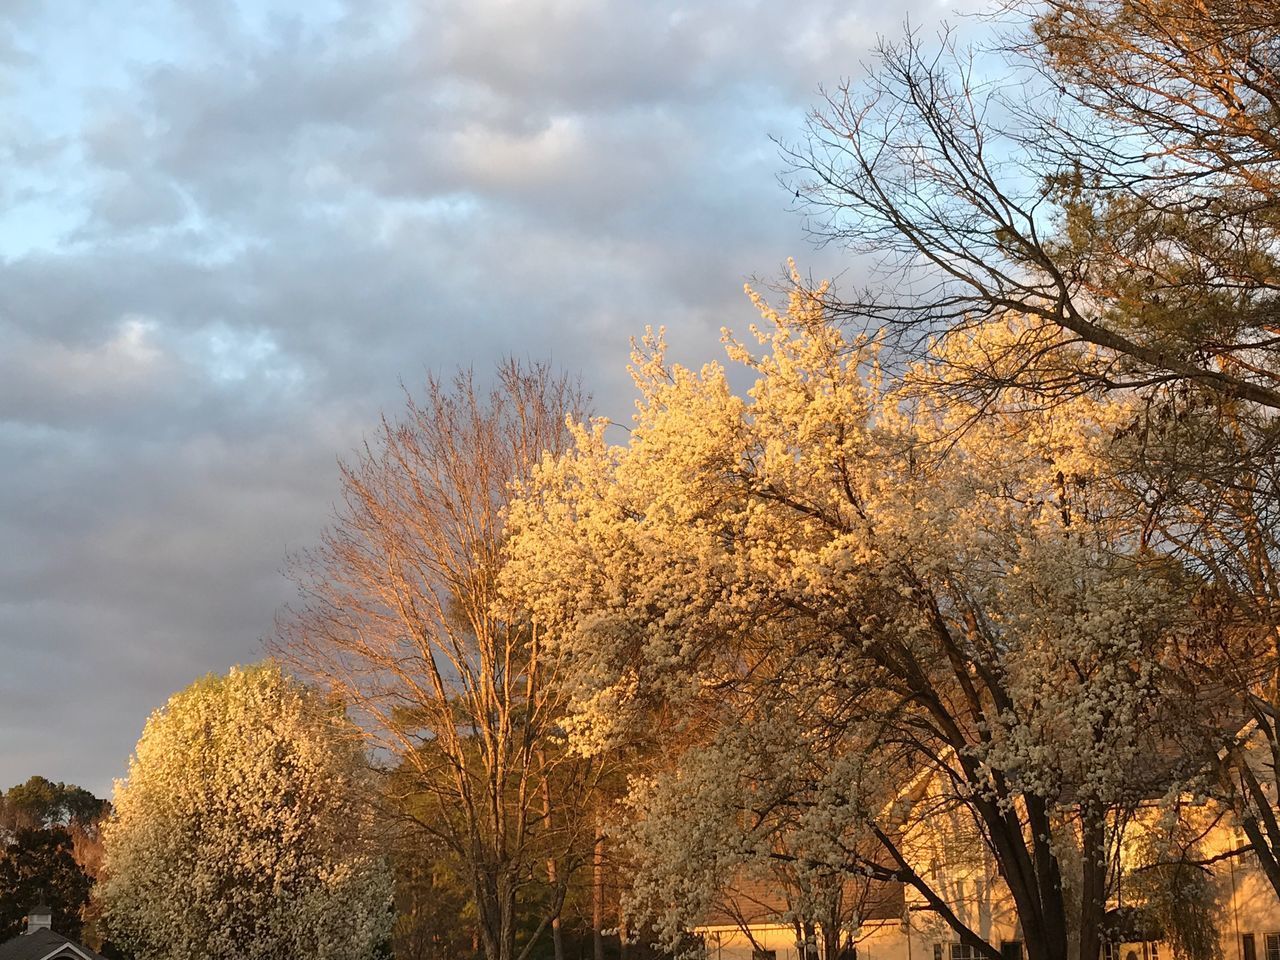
{"points": [[1093, 885], [597, 898]]}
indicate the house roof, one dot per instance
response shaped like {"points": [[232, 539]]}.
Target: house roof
{"points": [[753, 901], [45, 945]]}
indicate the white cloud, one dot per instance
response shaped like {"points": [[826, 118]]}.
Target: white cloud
{"points": [[225, 241]]}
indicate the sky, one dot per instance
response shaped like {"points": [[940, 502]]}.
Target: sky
{"points": [[229, 232]]}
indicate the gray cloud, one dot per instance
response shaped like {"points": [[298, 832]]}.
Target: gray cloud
{"points": [[228, 235]]}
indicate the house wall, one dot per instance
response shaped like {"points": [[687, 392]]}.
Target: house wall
{"points": [[956, 864], [954, 860], [881, 940], [1246, 902], [944, 841], [912, 938], [1249, 905]]}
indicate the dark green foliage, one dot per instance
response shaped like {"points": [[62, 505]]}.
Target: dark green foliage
{"points": [[436, 918], [40, 803], [39, 866]]}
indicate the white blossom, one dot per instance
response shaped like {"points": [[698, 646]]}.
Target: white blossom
{"points": [[239, 831]]}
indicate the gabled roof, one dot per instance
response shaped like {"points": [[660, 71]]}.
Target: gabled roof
{"points": [[45, 945]]}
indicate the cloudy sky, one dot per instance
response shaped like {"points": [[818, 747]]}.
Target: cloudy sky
{"points": [[228, 230]]}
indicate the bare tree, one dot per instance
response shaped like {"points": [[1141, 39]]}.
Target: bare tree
{"points": [[402, 620], [1110, 176]]}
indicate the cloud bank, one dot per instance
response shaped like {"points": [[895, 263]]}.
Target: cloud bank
{"points": [[227, 234]]}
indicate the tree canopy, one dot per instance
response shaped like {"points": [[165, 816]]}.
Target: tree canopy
{"points": [[40, 802], [241, 830], [1107, 172]]}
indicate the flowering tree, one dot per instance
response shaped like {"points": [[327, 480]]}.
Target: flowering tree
{"points": [[239, 831], [964, 582], [776, 802], [1118, 186]]}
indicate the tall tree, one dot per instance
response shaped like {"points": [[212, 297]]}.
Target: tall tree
{"points": [[41, 817], [403, 622], [241, 830]]}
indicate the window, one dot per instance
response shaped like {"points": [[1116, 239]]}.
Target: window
{"points": [[957, 951], [1149, 950], [1272, 942], [1011, 950], [1248, 948], [764, 955]]}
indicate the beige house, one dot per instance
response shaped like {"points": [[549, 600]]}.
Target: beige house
{"points": [[895, 923]]}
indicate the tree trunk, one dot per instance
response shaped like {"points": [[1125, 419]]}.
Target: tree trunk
{"points": [[553, 871], [557, 938], [508, 921], [810, 936], [1093, 886], [597, 898], [830, 940], [1031, 875], [496, 906]]}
